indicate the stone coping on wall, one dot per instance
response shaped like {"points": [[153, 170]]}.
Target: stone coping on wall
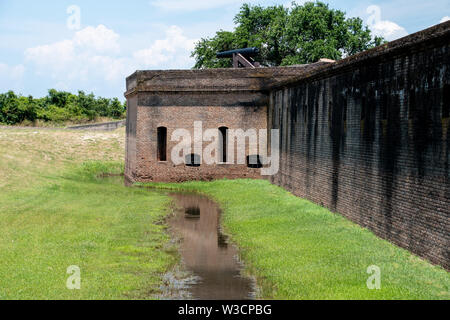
{"points": [[102, 126], [213, 80]]}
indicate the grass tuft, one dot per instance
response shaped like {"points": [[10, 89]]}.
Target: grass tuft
{"points": [[61, 206]]}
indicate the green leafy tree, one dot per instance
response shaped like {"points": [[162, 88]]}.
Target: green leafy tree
{"points": [[58, 98], [206, 49], [117, 109], [15, 109], [27, 108], [9, 108], [301, 34], [57, 106]]}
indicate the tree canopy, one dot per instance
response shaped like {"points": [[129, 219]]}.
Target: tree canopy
{"points": [[286, 36], [58, 106]]}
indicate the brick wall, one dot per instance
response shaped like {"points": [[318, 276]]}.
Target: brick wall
{"points": [[368, 138], [148, 167]]}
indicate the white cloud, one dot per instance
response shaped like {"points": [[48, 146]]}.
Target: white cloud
{"points": [[92, 57], [11, 77], [100, 39], [389, 30], [52, 58], [173, 51], [14, 72], [444, 19], [385, 28], [90, 53], [192, 5], [288, 4]]}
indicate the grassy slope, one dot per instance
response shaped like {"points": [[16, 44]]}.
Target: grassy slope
{"points": [[54, 213], [299, 250]]}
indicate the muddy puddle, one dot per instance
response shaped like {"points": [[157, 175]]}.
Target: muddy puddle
{"points": [[206, 253]]}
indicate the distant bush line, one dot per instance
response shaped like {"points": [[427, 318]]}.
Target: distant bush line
{"points": [[58, 107]]}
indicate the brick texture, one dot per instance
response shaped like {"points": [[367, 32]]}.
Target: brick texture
{"points": [[370, 141], [148, 167]]}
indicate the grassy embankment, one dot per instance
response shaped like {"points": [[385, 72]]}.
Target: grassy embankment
{"points": [[299, 250], [55, 213]]}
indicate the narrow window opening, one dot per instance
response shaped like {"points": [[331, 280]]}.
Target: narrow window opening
{"points": [[162, 144], [223, 141], [192, 160], [254, 161], [446, 102]]}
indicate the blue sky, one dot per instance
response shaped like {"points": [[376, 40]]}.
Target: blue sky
{"points": [[44, 45]]}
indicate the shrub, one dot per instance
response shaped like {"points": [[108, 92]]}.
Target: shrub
{"points": [[58, 106]]}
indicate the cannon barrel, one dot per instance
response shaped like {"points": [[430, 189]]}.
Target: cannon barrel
{"points": [[249, 52]]}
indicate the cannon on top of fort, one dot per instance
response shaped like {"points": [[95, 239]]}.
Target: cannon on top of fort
{"points": [[242, 58]]}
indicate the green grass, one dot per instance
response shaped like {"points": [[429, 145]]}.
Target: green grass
{"points": [[56, 212], [299, 250]]}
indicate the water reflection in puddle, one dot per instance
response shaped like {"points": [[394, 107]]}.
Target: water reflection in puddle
{"points": [[205, 251]]}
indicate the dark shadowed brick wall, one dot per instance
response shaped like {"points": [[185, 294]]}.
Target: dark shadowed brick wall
{"points": [[368, 137]]}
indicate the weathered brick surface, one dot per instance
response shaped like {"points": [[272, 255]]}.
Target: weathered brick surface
{"points": [[148, 168], [370, 140], [367, 137], [130, 146]]}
